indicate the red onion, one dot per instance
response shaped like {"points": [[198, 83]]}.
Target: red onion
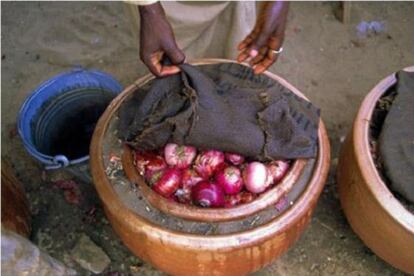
{"points": [[190, 178], [278, 170], [234, 158], [232, 200], [255, 177], [180, 157], [246, 197], [168, 183], [208, 162], [230, 180], [240, 198], [207, 194], [148, 161], [183, 195]]}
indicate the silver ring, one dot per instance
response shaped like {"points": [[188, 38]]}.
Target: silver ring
{"points": [[278, 51]]}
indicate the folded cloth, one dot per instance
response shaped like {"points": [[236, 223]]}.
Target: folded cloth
{"points": [[396, 141], [225, 107]]}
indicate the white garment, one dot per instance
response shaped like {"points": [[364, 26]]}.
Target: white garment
{"points": [[206, 29]]}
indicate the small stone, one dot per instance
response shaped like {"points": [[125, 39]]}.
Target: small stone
{"points": [[37, 56], [357, 44], [134, 268], [3, 57], [89, 256], [314, 266]]}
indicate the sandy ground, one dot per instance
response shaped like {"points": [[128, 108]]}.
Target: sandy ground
{"points": [[323, 58]]}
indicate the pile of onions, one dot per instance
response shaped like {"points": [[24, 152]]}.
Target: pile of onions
{"points": [[208, 178]]}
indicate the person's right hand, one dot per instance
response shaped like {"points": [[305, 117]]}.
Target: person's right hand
{"points": [[157, 40]]}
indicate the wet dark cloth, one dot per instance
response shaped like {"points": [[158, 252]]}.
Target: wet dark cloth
{"points": [[225, 107], [396, 142]]}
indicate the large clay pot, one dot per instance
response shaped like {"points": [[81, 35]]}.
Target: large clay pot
{"points": [[377, 217], [180, 253]]}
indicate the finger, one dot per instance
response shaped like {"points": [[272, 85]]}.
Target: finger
{"points": [[243, 55], [175, 54], [167, 70], [262, 53], [261, 41], [153, 62], [161, 69], [275, 42], [264, 65], [248, 40]]}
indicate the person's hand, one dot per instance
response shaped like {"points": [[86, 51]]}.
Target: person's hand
{"points": [[266, 37], [157, 40]]}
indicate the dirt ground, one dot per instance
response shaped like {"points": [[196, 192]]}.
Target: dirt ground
{"points": [[324, 58]]}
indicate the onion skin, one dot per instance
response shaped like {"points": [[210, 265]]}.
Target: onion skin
{"points": [[230, 180], [232, 200], [183, 195], [238, 199], [180, 157], [278, 169], [282, 204], [207, 194], [190, 178], [169, 182], [255, 177], [234, 158], [209, 162], [149, 161], [246, 197], [153, 177]]}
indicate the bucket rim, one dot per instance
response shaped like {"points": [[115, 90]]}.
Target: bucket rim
{"points": [[59, 161]]}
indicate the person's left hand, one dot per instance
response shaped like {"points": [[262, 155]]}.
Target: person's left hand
{"points": [[266, 37]]}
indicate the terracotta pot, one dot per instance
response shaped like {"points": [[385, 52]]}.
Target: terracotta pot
{"points": [[15, 214], [377, 217], [182, 253]]}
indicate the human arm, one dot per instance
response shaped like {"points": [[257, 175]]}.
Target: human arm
{"points": [[157, 41], [267, 36]]}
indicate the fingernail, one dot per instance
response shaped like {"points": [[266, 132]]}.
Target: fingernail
{"points": [[253, 53]]}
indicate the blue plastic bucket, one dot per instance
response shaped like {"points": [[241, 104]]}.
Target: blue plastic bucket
{"points": [[57, 120]]}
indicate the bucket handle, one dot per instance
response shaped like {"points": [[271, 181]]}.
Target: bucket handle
{"points": [[59, 161]]}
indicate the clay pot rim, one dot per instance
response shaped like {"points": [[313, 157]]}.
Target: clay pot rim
{"points": [[270, 197], [376, 185], [213, 242]]}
